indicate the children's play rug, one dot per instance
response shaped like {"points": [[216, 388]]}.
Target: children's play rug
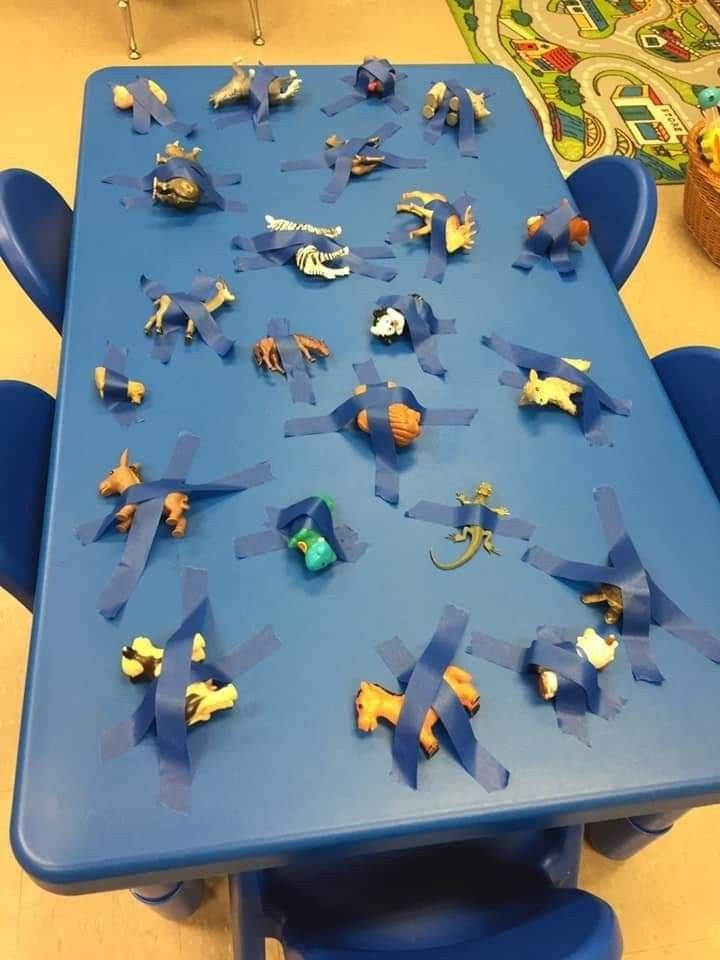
{"points": [[604, 76]]}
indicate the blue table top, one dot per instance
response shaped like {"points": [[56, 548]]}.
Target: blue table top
{"points": [[285, 772]]}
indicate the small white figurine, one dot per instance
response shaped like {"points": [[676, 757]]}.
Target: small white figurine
{"points": [[597, 650], [388, 324]]}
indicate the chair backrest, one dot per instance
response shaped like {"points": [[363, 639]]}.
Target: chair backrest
{"points": [[619, 198], [26, 420], [35, 227], [691, 377]]}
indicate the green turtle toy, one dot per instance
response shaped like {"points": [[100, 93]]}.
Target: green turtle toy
{"points": [[316, 550]]}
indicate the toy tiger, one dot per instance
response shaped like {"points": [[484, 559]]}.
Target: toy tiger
{"points": [[277, 223]]}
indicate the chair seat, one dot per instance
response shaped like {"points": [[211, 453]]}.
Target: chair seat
{"points": [[555, 925]]}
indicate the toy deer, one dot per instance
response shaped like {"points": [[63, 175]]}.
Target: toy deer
{"points": [[127, 474], [459, 234]]}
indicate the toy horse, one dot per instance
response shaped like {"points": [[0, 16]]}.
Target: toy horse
{"points": [[597, 650], [374, 702], [267, 354], [127, 474], [155, 324]]}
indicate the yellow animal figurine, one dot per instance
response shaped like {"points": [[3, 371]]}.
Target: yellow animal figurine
{"points": [[373, 703], [127, 474], [135, 389], [435, 96], [223, 294], [459, 234], [597, 650], [612, 596], [710, 145], [204, 699], [142, 660], [124, 100], [553, 390]]}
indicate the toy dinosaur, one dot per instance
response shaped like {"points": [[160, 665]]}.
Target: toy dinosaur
{"points": [[373, 702], [267, 355], [435, 96], [316, 550], [164, 303], [459, 234], [612, 596], [476, 535], [238, 88], [590, 646], [553, 390]]}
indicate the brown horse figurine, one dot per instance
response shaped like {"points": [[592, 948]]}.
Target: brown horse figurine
{"points": [[127, 474], [373, 702]]}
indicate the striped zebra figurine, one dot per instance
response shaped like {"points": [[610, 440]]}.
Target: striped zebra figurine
{"points": [[308, 258]]}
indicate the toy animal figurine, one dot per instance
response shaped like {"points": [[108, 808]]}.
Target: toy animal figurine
{"points": [[308, 258], [177, 192], [317, 552], [155, 324], [205, 698], [612, 596], [135, 389], [124, 99], [142, 660], [126, 474], [476, 535], [373, 702], [404, 421], [598, 651], [435, 96], [237, 89], [361, 163], [578, 227], [388, 324], [459, 234], [710, 145], [553, 390], [267, 355]]}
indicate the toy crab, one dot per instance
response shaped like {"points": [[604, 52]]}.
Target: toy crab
{"points": [[267, 354]]}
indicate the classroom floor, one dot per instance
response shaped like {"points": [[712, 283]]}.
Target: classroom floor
{"points": [[667, 897]]}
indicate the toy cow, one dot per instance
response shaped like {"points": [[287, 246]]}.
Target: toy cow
{"points": [[597, 650]]}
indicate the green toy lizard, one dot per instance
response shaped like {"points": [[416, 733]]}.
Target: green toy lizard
{"points": [[317, 551], [476, 535]]}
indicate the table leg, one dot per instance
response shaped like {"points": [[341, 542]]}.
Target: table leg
{"points": [[258, 38], [622, 839], [126, 14], [174, 901]]}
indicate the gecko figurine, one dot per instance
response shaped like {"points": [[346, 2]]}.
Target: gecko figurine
{"points": [[476, 535]]}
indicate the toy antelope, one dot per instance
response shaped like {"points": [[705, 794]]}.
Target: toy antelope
{"points": [[460, 228], [125, 475]]}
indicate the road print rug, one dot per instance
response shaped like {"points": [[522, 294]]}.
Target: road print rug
{"points": [[604, 76]]}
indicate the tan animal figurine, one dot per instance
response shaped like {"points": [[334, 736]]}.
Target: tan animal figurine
{"points": [[237, 89], [267, 355], [223, 294], [404, 421], [435, 96], [373, 703], [127, 474], [459, 234], [555, 391], [177, 191], [142, 660], [124, 100], [361, 164], [612, 596], [597, 650], [135, 389], [579, 228]]}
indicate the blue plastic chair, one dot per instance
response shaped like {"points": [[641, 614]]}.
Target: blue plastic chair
{"points": [[492, 899], [619, 198], [26, 421], [691, 377], [35, 227]]}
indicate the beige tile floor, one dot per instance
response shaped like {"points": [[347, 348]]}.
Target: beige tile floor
{"points": [[667, 897]]}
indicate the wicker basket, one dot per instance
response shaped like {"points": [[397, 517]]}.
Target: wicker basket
{"points": [[702, 199]]}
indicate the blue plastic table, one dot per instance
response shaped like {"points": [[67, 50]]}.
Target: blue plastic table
{"points": [[285, 773]]}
